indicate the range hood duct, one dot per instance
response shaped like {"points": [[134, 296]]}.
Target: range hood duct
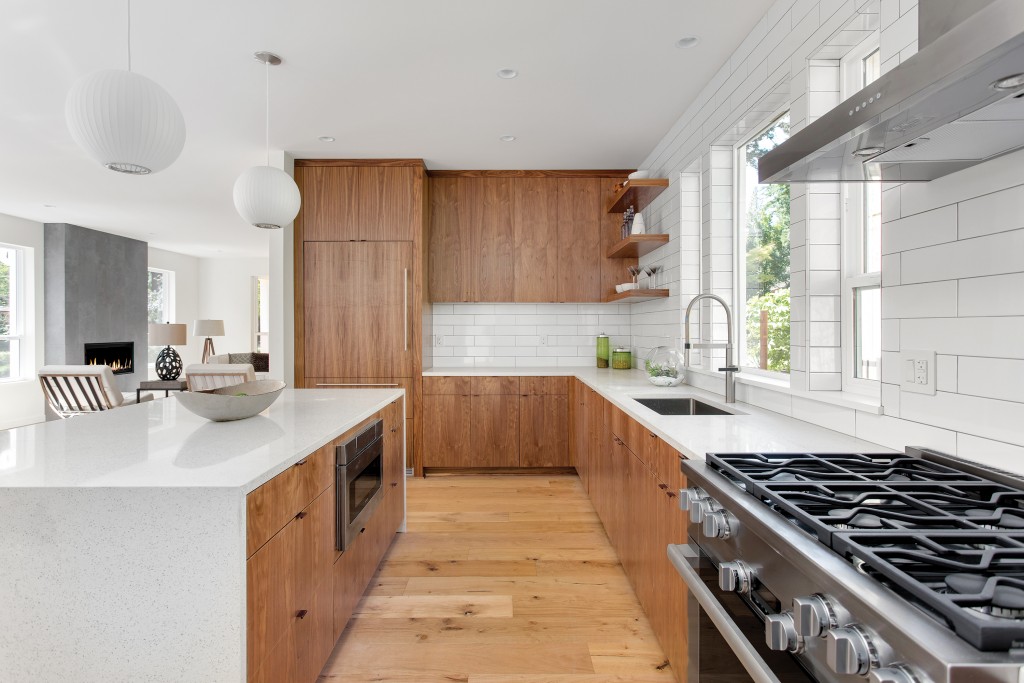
{"points": [[939, 112]]}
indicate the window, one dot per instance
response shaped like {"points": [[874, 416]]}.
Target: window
{"points": [[862, 247], [11, 312], [160, 303], [762, 213], [261, 315]]}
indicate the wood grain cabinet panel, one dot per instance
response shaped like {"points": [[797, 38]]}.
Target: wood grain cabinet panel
{"points": [[446, 430], [535, 229], [495, 430], [351, 203], [471, 239], [544, 431], [447, 385], [273, 504], [579, 239], [495, 385], [542, 386], [357, 309], [394, 446]]}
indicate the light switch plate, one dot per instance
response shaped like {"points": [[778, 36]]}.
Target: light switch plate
{"points": [[917, 371]]}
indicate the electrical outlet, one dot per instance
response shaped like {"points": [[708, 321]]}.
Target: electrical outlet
{"points": [[542, 340], [917, 371], [438, 340]]}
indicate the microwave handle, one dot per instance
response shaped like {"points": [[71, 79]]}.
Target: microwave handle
{"points": [[758, 669]]}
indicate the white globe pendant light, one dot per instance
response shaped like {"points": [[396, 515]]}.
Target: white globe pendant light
{"points": [[267, 197], [125, 121]]}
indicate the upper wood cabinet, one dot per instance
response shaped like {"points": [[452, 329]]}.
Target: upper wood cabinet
{"points": [[358, 314], [532, 237], [471, 240], [353, 203], [535, 226]]}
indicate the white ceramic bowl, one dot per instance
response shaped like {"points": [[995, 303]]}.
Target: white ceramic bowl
{"points": [[639, 175], [626, 286], [618, 288], [236, 402]]}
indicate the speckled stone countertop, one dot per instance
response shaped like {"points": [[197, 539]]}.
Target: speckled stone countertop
{"points": [[751, 429], [160, 444]]}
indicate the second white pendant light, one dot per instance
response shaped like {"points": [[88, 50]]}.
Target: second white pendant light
{"points": [[267, 197]]}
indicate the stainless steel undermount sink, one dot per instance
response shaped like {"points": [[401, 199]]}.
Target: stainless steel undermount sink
{"points": [[681, 406]]}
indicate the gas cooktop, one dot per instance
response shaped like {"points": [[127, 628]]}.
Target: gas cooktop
{"points": [[944, 535]]}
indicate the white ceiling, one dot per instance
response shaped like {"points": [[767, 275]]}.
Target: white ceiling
{"points": [[600, 83]]}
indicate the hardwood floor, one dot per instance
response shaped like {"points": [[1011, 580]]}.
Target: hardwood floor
{"points": [[500, 579]]}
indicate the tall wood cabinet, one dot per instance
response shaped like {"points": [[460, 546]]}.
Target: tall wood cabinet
{"points": [[523, 236], [360, 278]]}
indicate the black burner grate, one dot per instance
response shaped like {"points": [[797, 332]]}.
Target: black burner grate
{"points": [[948, 540]]}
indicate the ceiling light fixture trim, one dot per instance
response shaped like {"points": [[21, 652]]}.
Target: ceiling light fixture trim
{"points": [[507, 74], [686, 42], [508, 138]]}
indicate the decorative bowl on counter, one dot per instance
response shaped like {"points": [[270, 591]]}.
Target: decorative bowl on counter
{"points": [[236, 402], [639, 175], [665, 367]]}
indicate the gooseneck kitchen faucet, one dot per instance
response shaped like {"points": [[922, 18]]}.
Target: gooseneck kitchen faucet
{"points": [[730, 370]]}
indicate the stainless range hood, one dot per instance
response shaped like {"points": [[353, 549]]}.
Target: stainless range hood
{"points": [[940, 111]]}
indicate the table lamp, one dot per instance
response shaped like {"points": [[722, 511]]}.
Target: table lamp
{"points": [[168, 363], [208, 329]]}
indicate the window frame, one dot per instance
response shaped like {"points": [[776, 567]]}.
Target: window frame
{"points": [[17, 306], [256, 333], [854, 277], [740, 253]]}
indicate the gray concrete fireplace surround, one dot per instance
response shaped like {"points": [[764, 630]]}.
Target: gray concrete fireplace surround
{"points": [[95, 291]]}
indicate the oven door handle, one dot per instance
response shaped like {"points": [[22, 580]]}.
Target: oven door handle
{"points": [[744, 651]]}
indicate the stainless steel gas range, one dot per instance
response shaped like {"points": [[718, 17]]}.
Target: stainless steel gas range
{"points": [[839, 567]]}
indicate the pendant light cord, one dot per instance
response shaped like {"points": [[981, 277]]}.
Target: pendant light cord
{"points": [[267, 64], [129, 35]]}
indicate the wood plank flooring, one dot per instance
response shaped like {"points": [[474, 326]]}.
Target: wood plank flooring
{"points": [[500, 579]]}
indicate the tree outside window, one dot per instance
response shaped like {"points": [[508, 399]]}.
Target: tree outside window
{"points": [[764, 290], [10, 340]]}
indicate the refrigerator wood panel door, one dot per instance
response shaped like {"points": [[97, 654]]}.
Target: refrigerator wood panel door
{"points": [[358, 303]]}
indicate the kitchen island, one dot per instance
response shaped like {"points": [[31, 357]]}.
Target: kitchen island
{"points": [[124, 545]]}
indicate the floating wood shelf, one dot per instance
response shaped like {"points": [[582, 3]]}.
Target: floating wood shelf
{"points": [[633, 296], [635, 246], [637, 193]]}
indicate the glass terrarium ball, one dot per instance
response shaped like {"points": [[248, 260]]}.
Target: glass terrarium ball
{"points": [[664, 366]]}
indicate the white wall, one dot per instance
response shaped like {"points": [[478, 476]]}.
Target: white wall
{"points": [[21, 401], [226, 293], [186, 298]]}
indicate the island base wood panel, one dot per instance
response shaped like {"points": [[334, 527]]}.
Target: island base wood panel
{"points": [[301, 591]]}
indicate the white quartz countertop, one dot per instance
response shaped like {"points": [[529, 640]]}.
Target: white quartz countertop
{"points": [[160, 444], [751, 429]]}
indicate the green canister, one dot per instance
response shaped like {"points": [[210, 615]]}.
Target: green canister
{"points": [[603, 350], [622, 359]]}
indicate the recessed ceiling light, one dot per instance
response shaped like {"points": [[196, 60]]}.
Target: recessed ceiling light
{"points": [[507, 73], [49, 206], [1009, 83], [325, 138], [687, 41], [867, 151], [508, 138]]}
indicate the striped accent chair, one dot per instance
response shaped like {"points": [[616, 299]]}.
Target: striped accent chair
{"points": [[79, 389]]}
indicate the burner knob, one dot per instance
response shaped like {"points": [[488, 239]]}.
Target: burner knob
{"points": [[691, 497], [849, 651], [813, 616], [735, 577], [892, 674], [780, 633], [716, 524], [703, 508]]}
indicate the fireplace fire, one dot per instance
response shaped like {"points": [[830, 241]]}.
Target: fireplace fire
{"points": [[119, 356]]}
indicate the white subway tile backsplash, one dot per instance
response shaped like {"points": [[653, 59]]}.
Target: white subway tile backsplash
{"points": [[989, 255], [985, 417], [920, 230], [996, 212], [995, 295], [994, 337], [997, 454], [931, 300], [992, 377]]}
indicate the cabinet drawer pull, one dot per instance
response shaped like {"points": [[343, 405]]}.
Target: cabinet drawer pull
{"points": [[301, 614], [301, 462], [670, 494], [301, 515], [394, 484], [662, 486], [363, 530], [653, 435]]}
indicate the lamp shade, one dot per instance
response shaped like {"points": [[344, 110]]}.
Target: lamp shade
{"points": [[267, 197], [125, 121], [167, 334], [208, 328]]}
